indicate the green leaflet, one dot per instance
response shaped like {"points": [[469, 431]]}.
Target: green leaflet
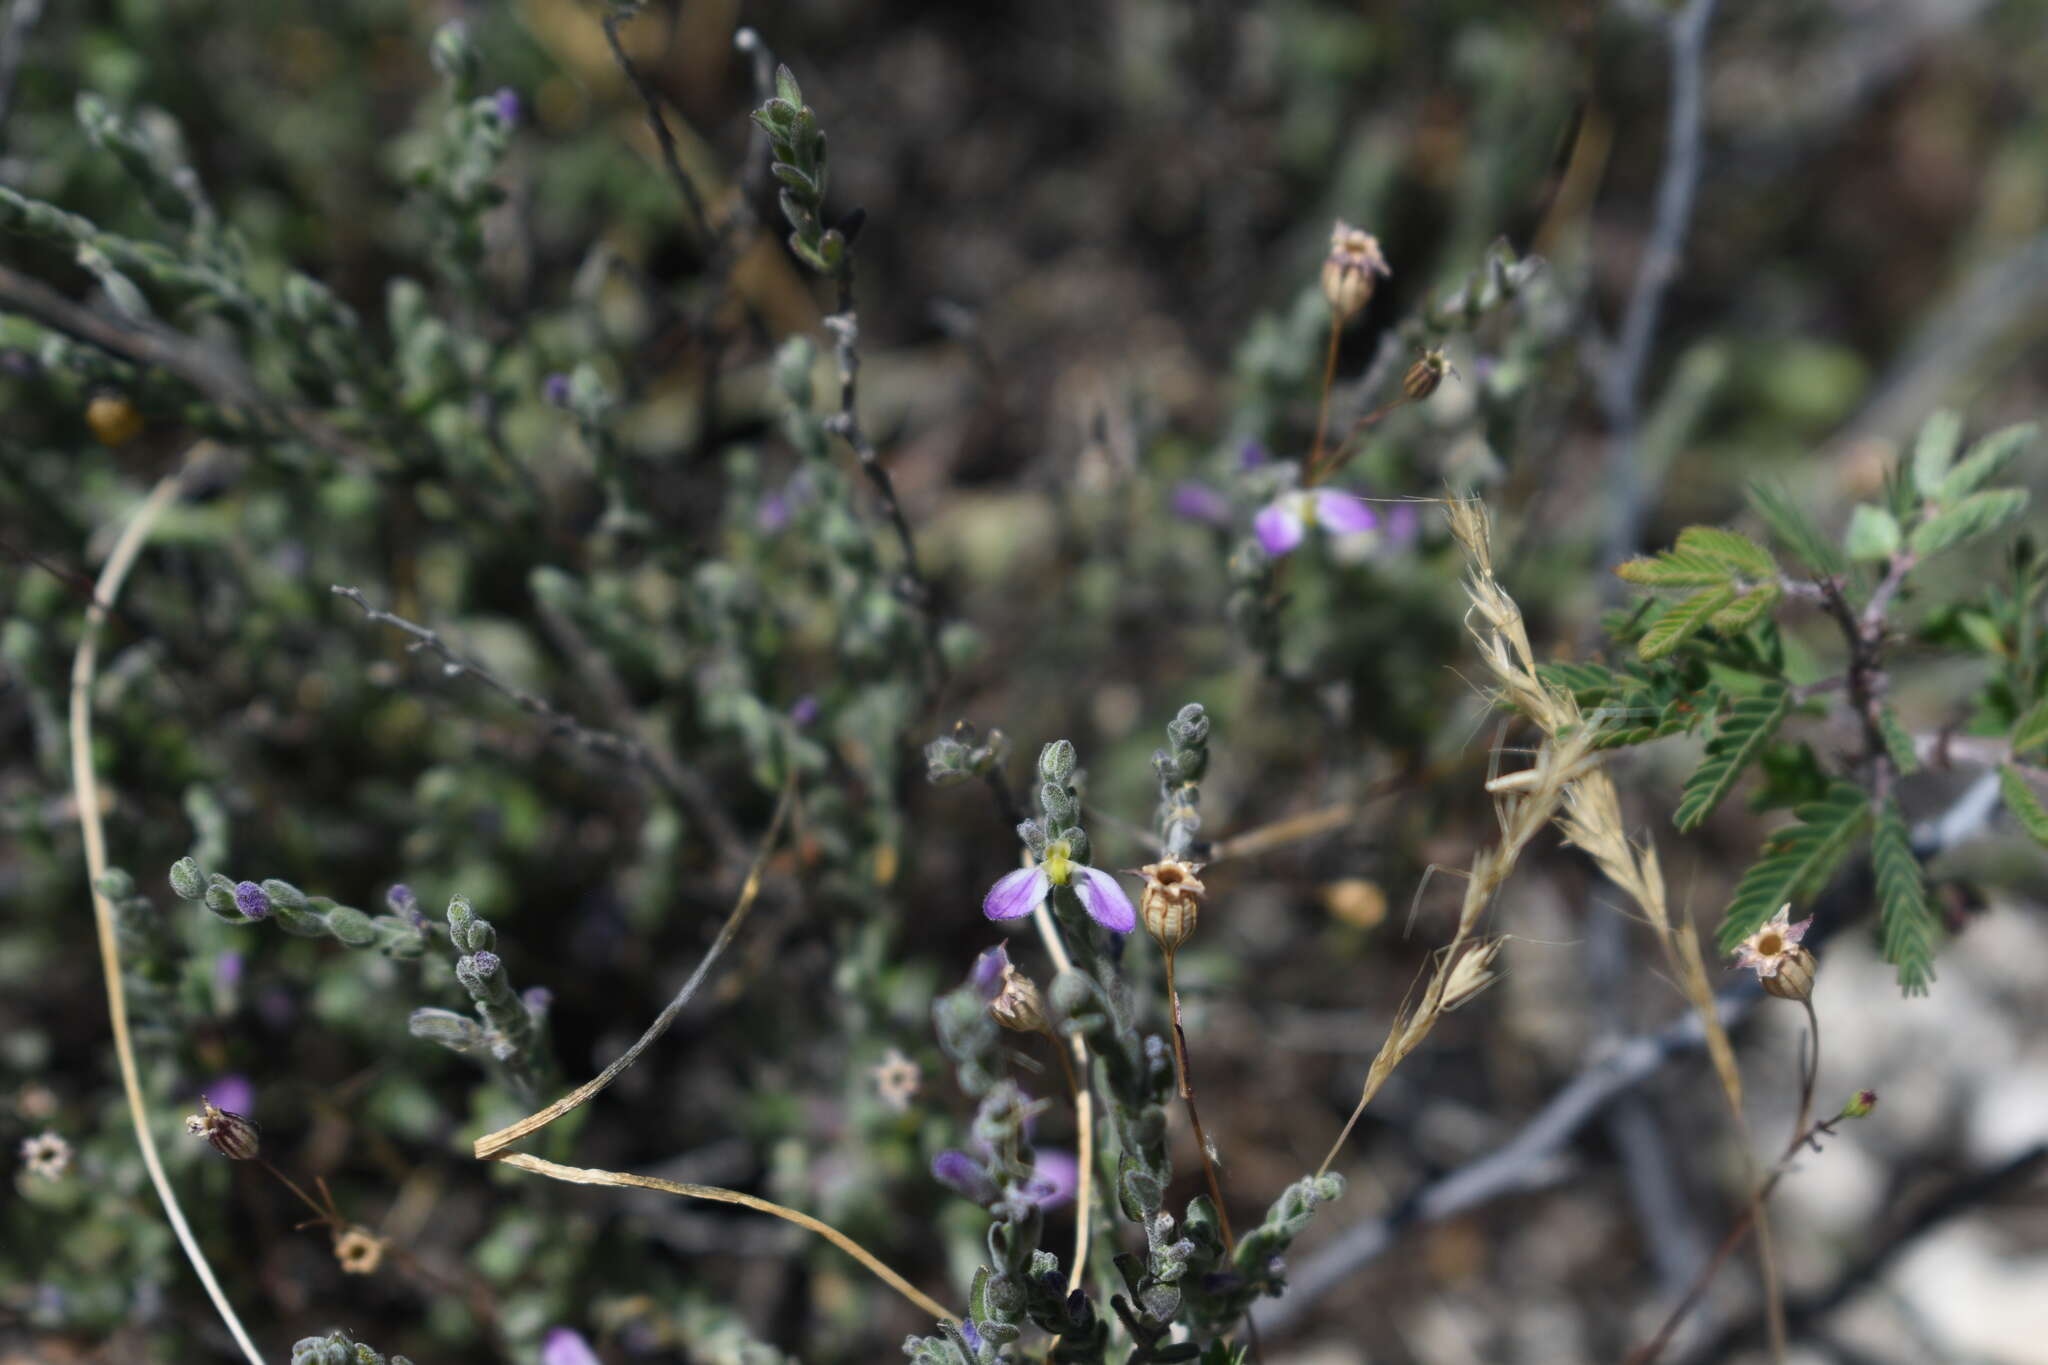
{"points": [[1731, 548], [1897, 742], [1682, 620], [1796, 861], [1705, 556], [1907, 922], [1749, 725], [1935, 450], [1985, 459], [2024, 805], [1975, 516], [1792, 526], [2030, 731]]}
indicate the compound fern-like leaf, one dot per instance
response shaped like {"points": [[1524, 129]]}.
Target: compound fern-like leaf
{"points": [[1748, 726], [1796, 862], [1907, 923]]}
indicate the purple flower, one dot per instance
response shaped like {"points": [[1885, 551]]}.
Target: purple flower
{"points": [[1022, 891], [964, 1175], [987, 974], [250, 900], [227, 971], [1252, 455], [1283, 523], [232, 1093], [506, 102], [804, 713], [1193, 501], [972, 1336], [537, 999], [555, 388], [566, 1346], [405, 905], [772, 515], [1055, 1176]]}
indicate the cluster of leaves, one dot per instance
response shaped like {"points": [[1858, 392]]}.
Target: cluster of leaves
{"points": [[1709, 654]]}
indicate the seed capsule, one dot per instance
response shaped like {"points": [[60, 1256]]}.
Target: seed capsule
{"points": [[1171, 901], [1794, 978], [1351, 270], [234, 1136], [1017, 1005], [1424, 375]]}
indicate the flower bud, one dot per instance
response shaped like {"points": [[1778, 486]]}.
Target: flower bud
{"points": [[1018, 1006], [187, 880], [113, 419], [1351, 270], [1170, 901], [1860, 1104], [234, 1136]]}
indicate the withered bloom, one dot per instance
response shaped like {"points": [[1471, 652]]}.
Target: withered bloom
{"points": [[1784, 968], [1350, 271], [234, 1136], [1170, 901]]}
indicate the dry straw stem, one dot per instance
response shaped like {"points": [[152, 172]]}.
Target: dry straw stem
{"points": [[491, 1146], [1591, 819], [85, 791], [1084, 1110]]}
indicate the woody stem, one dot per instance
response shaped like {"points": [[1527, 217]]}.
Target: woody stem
{"points": [[1187, 1096]]}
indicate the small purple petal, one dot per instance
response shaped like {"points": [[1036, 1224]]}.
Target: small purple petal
{"points": [[1341, 514], [1198, 502], [250, 900], [566, 1346], [987, 976], [506, 103], [1105, 900], [1279, 526], [555, 388], [973, 1337], [227, 970], [805, 712], [1055, 1176], [1252, 455], [1404, 524], [232, 1093], [964, 1175], [772, 515], [1016, 893]]}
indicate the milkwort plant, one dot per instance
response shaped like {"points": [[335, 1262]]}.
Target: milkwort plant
{"points": [[492, 454]]}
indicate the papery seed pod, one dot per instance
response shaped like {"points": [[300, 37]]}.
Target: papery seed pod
{"points": [[1351, 270], [1794, 978], [1170, 902], [1018, 1006], [234, 1136], [114, 420]]}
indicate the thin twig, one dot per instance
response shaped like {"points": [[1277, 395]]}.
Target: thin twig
{"points": [[680, 782], [85, 790], [844, 326], [1618, 369], [658, 122], [1187, 1097], [491, 1144]]}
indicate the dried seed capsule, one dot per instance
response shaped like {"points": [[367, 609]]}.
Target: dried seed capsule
{"points": [[234, 1136], [1424, 375], [1017, 1005], [1351, 269], [1170, 901], [1794, 978]]}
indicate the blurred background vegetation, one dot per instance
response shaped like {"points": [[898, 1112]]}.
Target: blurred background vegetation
{"points": [[1086, 283]]}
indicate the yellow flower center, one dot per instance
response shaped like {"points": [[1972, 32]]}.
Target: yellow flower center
{"points": [[1059, 862], [1770, 945]]}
